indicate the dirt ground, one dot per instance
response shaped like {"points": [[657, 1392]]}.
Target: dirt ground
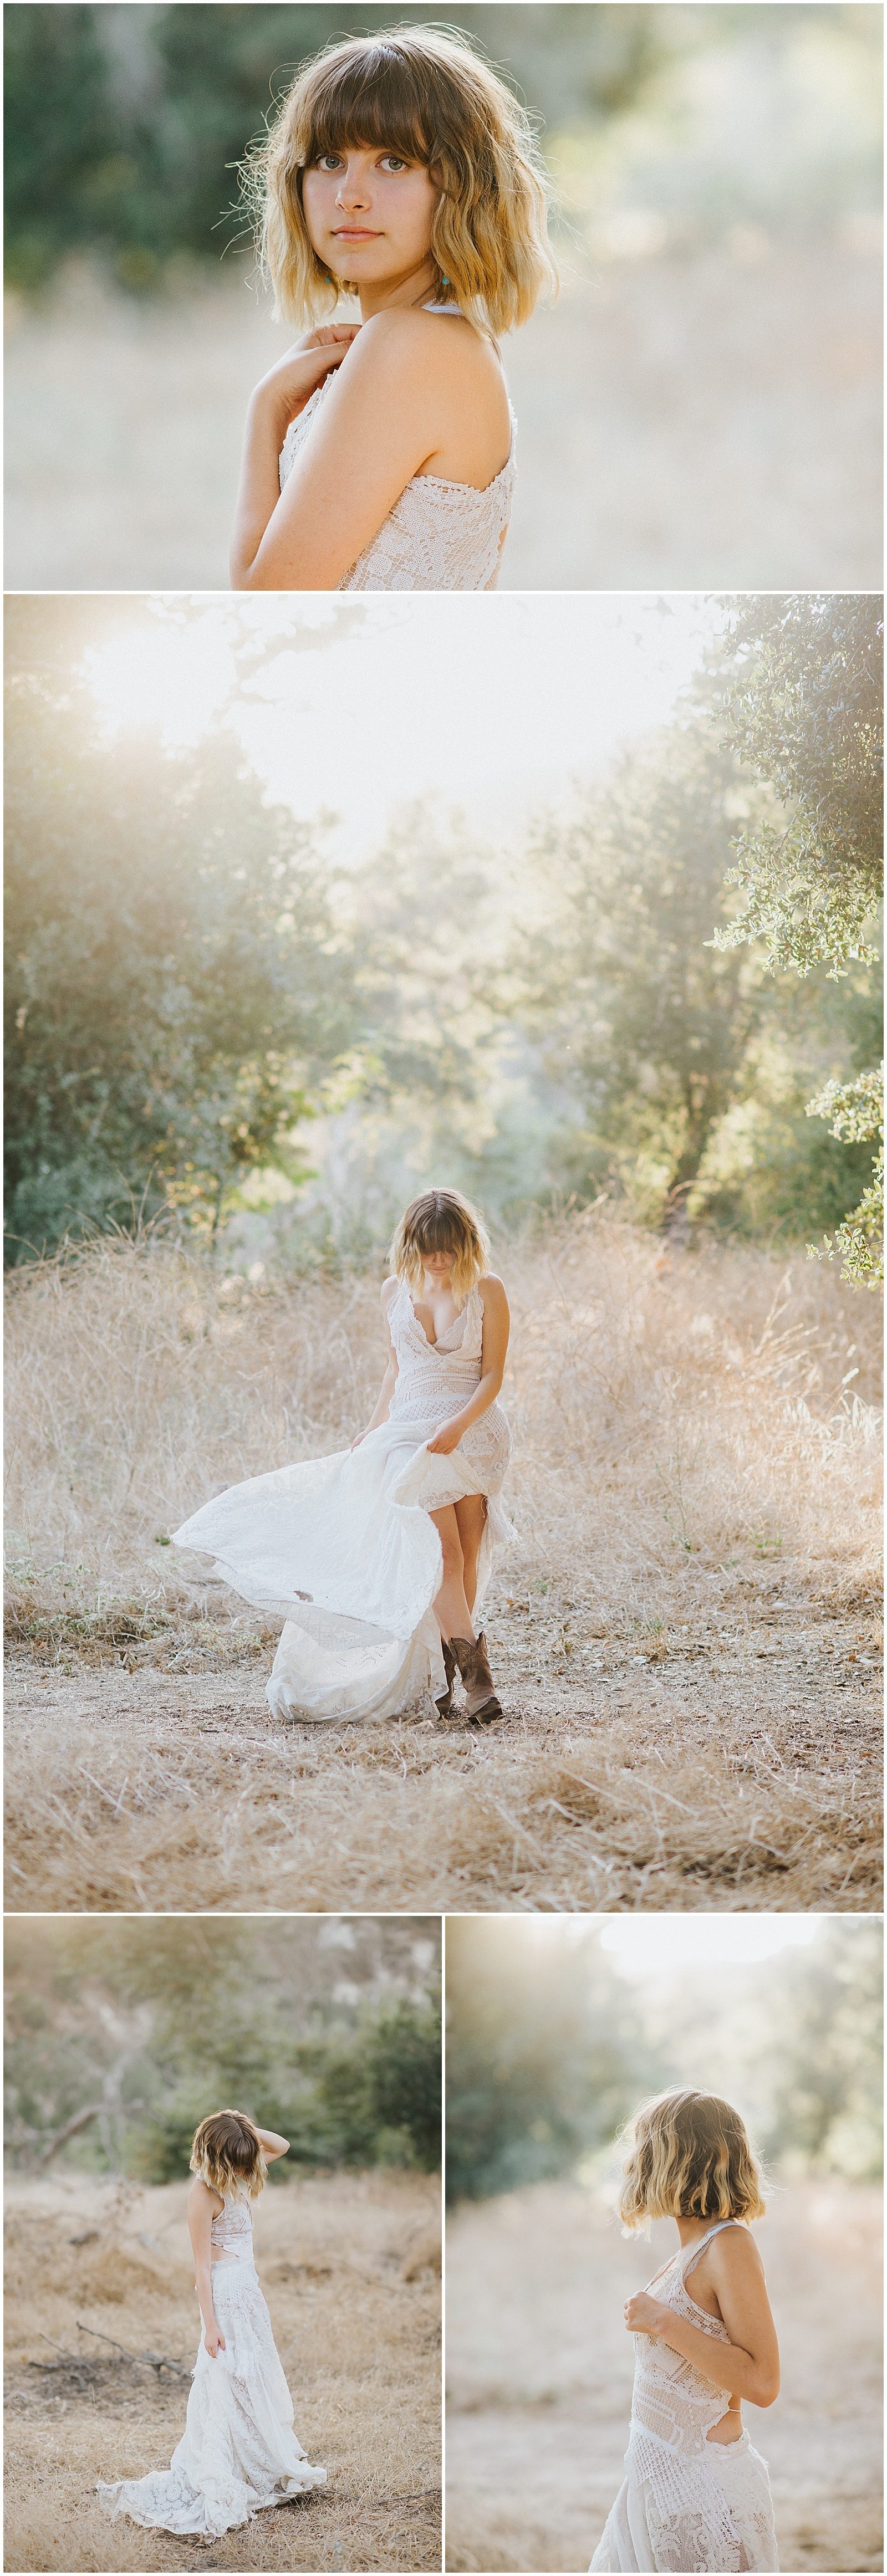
{"points": [[539, 2375], [704, 419], [740, 1770], [684, 1633], [348, 2267]]}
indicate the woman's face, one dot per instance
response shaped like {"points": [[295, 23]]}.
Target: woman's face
{"points": [[369, 216], [437, 1265]]}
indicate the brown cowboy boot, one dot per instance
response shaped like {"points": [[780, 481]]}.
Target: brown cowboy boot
{"points": [[444, 1705], [471, 1657]]}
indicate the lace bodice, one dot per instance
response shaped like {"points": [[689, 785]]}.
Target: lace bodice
{"points": [[232, 2230], [439, 535], [434, 1380], [672, 2399]]}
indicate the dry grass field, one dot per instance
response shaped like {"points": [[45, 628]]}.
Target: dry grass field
{"points": [[707, 417], [684, 1634], [347, 2263], [539, 2374]]}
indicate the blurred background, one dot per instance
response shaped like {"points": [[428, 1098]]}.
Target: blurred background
{"points": [[701, 405], [555, 2031], [282, 942], [119, 2039]]}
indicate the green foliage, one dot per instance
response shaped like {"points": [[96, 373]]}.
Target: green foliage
{"points": [[804, 710], [174, 977], [544, 2054], [152, 2026], [125, 126], [855, 1111], [549, 2050]]}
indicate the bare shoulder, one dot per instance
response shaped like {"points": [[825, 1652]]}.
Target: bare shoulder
{"points": [[202, 2197], [493, 1294], [735, 2255], [408, 344], [387, 1289]]}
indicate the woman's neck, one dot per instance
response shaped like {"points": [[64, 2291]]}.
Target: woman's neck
{"points": [[415, 288], [690, 2228]]}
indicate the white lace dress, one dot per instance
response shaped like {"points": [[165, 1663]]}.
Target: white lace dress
{"points": [[343, 1547], [439, 535], [238, 2453], [686, 2504]]}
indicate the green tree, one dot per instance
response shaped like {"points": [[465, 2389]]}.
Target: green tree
{"points": [[634, 1011], [544, 2054], [176, 984], [804, 712]]}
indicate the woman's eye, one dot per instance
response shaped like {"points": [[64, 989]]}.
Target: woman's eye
{"points": [[392, 161], [330, 161]]}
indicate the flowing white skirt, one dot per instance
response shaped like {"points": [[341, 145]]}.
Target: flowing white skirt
{"points": [[343, 1548], [238, 2453], [646, 2532]]}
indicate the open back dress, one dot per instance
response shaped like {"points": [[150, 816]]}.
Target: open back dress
{"points": [[686, 2503]]}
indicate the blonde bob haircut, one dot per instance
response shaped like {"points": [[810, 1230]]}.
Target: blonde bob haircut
{"points": [[442, 1221], [429, 97], [227, 2153], [689, 2156]]}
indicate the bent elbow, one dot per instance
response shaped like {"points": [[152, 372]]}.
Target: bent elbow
{"points": [[766, 2390]]}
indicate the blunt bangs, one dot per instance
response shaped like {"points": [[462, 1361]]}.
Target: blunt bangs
{"points": [[375, 102]]}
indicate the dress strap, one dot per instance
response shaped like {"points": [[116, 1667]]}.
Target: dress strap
{"points": [[688, 2259]]}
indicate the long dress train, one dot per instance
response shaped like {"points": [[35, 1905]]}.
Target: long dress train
{"points": [[343, 1547], [238, 2454], [686, 2504]]}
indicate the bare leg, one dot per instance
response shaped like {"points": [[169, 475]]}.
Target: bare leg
{"points": [[471, 1514], [451, 1608]]}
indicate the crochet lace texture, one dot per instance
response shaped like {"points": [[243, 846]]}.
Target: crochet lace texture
{"points": [[706, 2506], [232, 2230], [238, 2452], [439, 536]]}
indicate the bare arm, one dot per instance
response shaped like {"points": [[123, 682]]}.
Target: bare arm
{"points": [[272, 2146], [497, 1325], [277, 401], [379, 423], [203, 2206], [749, 2365], [389, 1380]]}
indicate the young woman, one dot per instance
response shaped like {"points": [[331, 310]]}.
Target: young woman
{"points": [[238, 2453], [379, 455], [695, 2495], [378, 1556]]}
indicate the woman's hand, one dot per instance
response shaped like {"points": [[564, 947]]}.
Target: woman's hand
{"points": [[213, 2341], [644, 2315], [444, 1441], [290, 384]]}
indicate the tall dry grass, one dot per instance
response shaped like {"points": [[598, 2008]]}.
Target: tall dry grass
{"points": [[347, 2263], [684, 1631]]}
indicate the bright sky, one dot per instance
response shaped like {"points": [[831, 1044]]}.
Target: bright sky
{"points": [[494, 706], [657, 1944]]}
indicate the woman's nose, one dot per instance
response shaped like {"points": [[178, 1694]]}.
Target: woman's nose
{"points": [[352, 190]]}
